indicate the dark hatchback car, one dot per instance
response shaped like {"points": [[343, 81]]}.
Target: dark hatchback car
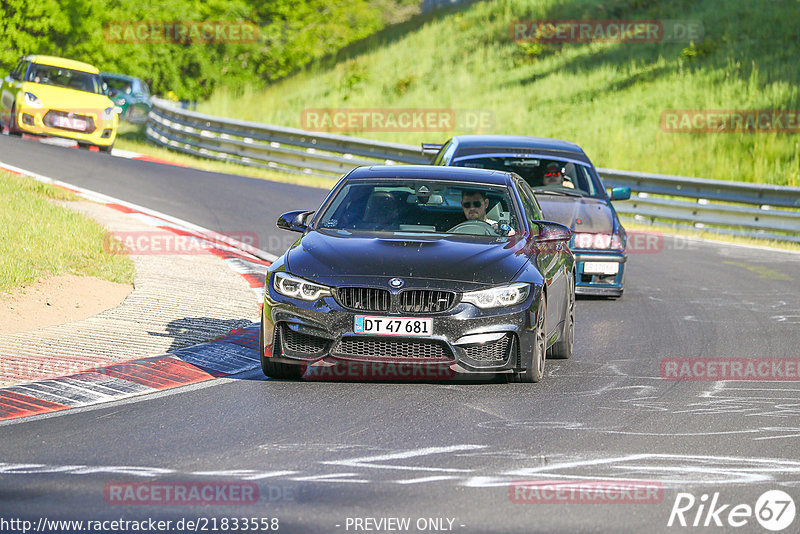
{"points": [[391, 269], [569, 191], [131, 94]]}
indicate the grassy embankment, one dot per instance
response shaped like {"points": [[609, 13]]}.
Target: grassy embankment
{"points": [[39, 238], [607, 97]]}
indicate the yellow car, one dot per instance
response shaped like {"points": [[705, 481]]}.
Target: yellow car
{"points": [[48, 95]]}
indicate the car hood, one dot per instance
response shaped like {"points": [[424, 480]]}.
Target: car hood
{"points": [[67, 99], [331, 259], [595, 215]]}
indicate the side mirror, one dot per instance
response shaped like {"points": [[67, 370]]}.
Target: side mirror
{"points": [[294, 220], [551, 231], [620, 193]]}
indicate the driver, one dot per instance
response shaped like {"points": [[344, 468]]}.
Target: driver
{"points": [[475, 204]]}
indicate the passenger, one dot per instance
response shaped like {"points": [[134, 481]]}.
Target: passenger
{"points": [[554, 175]]}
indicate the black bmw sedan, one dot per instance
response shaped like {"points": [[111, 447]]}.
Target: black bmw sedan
{"points": [[434, 269]]}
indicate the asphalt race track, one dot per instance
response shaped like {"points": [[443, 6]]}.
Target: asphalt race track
{"points": [[323, 454]]}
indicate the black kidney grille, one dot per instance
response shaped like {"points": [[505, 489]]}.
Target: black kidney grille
{"points": [[364, 298], [426, 301], [493, 351], [299, 343], [390, 348]]}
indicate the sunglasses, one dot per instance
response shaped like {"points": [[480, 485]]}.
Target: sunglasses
{"points": [[473, 204]]}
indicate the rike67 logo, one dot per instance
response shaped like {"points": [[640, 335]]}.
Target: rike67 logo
{"points": [[774, 510]]}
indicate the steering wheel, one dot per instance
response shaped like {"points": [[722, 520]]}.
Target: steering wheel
{"points": [[473, 228]]}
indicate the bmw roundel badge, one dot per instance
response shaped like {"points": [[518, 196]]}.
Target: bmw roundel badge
{"points": [[397, 283]]}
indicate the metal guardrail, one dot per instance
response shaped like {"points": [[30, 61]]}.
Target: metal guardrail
{"points": [[755, 210]]}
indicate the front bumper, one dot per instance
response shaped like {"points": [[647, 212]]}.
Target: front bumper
{"points": [[599, 283], [321, 334], [31, 120]]}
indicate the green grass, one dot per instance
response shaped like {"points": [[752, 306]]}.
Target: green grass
{"points": [[607, 97], [39, 238]]}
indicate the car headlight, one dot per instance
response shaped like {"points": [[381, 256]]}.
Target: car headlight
{"points": [[120, 101], [107, 114], [598, 241], [498, 296], [297, 288], [33, 101]]}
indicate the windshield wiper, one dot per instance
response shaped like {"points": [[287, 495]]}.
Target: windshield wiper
{"points": [[558, 192]]}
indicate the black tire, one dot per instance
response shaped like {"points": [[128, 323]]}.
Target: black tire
{"points": [[106, 149], [273, 369], [12, 128], [535, 372], [562, 349]]}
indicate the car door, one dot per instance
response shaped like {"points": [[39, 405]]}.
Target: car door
{"points": [[550, 262]]}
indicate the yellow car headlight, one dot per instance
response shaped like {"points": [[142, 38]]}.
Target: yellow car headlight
{"points": [[108, 113], [33, 101]]}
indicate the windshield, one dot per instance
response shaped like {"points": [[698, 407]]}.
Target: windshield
{"points": [[61, 77], [417, 207], [122, 86], [542, 174]]}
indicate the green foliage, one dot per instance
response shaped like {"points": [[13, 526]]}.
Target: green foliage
{"points": [[293, 33], [606, 96], [698, 50], [528, 51]]}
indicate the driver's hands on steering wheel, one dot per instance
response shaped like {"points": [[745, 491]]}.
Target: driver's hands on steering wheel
{"points": [[474, 227]]}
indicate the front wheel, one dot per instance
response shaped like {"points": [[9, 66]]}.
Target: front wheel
{"points": [[562, 349], [273, 369], [12, 122], [535, 372]]}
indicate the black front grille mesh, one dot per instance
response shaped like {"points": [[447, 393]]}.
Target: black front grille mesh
{"points": [[493, 351], [364, 298], [299, 343], [426, 301], [390, 348]]}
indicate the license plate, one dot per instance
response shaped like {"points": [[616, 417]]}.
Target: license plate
{"points": [[66, 122], [600, 267], [393, 326]]}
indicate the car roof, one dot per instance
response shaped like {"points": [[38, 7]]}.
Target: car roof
{"points": [[517, 145], [515, 141], [125, 77], [430, 172], [54, 61]]}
